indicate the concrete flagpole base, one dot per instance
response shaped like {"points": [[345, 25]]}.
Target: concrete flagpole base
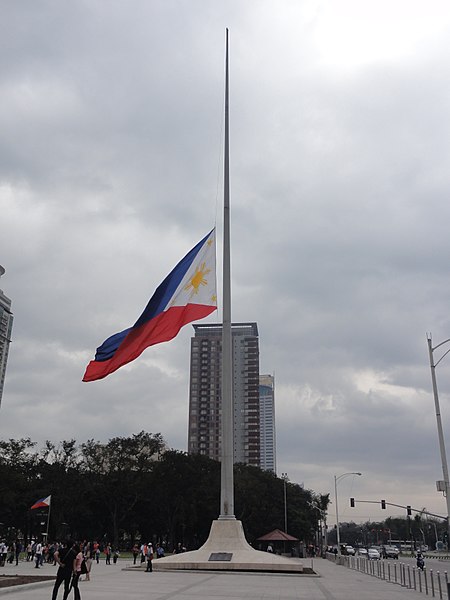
{"points": [[226, 549]]}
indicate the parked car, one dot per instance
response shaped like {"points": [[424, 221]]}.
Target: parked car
{"points": [[390, 552], [373, 554]]}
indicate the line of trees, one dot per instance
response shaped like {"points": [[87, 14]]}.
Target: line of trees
{"points": [[133, 488], [419, 530]]}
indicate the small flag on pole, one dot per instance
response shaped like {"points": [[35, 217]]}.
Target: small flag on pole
{"points": [[42, 503], [187, 294]]}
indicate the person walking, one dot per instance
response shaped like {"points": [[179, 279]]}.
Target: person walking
{"points": [[149, 568], [107, 554], [143, 552], [88, 567], [77, 571], [11, 552], [96, 551], [18, 551], [38, 555], [64, 557], [3, 553]]}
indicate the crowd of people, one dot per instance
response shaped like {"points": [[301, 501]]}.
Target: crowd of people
{"points": [[74, 559], [10, 553]]}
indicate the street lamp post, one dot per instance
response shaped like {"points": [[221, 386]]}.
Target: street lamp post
{"points": [[433, 365], [336, 479], [284, 477], [322, 522]]}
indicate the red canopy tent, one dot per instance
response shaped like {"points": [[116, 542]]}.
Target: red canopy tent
{"points": [[278, 539], [277, 536]]}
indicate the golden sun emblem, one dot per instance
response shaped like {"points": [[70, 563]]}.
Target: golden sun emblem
{"points": [[198, 279]]}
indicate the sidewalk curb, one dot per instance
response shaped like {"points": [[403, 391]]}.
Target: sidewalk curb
{"points": [[26, 586]]}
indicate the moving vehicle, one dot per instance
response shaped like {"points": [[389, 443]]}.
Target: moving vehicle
{"points": [[391, 552], [373, 554], [349, 550], [362, 552]]}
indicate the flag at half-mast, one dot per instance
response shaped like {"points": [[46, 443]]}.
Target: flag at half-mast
{"points": [[187, 294], [42, 503]]}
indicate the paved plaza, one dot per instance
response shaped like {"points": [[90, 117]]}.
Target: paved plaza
{"points": [[112, 582]]}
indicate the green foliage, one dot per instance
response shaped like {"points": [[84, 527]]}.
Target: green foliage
{"points": [[132, 488]]}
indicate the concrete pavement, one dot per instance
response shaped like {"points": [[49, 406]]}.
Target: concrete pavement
{"points": [[111, 582]]}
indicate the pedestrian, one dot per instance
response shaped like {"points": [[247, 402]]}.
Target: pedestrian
{"points": [[18, 551], [269, 548], [135, 553], [77, 571], [38, 554], [149, 568], [116, 555], [88, 567], [159, 551], [143, 552], [64, 557], [3, 553], [96, 551], [11, 553], [107, 552], [44, 554]]}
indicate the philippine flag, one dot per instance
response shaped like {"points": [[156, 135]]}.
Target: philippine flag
{"points": [[187, 294], [42, 503]]}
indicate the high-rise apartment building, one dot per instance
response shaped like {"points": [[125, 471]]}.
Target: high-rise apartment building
{"points": [[204, 434], [6, 321], [267, 422]]}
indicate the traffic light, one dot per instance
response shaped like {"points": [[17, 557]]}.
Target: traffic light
{"points": [[383, 504], [408, 511], [352, 502]]}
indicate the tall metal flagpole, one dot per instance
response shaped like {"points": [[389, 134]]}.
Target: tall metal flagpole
{"points": [[227, 484], [48, 518]]}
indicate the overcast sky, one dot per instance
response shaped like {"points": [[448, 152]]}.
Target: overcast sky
{"points": [[111, 151]]}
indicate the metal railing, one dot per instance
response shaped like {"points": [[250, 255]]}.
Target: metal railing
{"points": [[428, 582]]}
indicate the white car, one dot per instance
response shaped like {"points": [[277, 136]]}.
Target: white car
{"points": [[349, 550], [372, 553], [362, 552]]}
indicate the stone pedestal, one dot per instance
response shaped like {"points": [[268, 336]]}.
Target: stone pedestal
{"points": [[226, 549]]}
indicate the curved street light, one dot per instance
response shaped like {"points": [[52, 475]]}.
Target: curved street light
{"points": [[443, 486], [336, 479]]}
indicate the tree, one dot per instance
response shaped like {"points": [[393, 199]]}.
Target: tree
{"points": [[19, 476], [133, 487], [185, 499], [117, 474]]}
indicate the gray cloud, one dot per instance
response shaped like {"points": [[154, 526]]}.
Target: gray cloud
{"points": [[110, 170]]}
